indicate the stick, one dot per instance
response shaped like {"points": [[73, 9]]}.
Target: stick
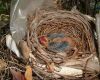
{"points": [[98, 33]]}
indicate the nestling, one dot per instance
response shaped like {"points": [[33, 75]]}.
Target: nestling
{"points": [[58, 42]]}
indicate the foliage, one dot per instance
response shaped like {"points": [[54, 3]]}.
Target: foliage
{"points": [[4, 6]]}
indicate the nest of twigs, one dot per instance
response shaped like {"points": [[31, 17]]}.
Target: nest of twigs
{"points": [[73, 25]]}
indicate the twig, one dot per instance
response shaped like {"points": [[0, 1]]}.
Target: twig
{"points": [[38, 74], [14, 68], [16, 64]]}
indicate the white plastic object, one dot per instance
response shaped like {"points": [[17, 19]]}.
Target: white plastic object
{"points": [[10, 43]]}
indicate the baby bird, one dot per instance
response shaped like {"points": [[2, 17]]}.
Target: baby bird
{"points": [[57, 42]]}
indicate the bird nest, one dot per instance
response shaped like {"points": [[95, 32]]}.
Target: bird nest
{"points": [[74, 26], [46, 28], [58, 46]]}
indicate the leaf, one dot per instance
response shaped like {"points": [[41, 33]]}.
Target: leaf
{"points": [[28, 73], [50, 67], [24, 49], [17, 75]]}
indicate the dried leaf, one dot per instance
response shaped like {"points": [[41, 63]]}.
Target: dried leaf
{"points": [[17, 75], [3, 64], [28, 73], [50, 67], [25, 49]]}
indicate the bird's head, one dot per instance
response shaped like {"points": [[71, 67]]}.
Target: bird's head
{"points": [[43, 40]]}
